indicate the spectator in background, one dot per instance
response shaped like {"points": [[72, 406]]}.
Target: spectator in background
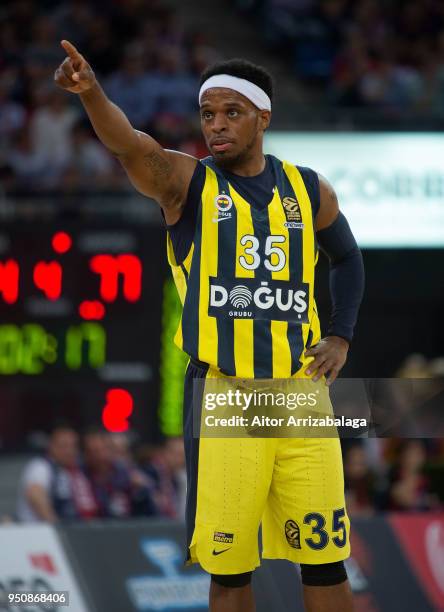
{"points": [[120, 491], [409, 487], [28, 164], [282, 19], [165, 466], [369, 22], [132, 89], [51, 127], [143, 488], [54, 487], [104, 54], [348, 67], [12, 114], [10, 48], [359, 481], [43, 48], [319, 40], [76, 18], [154, 81], [121, 448], [192, 142], [88, 160], [383, 56], [177, 87], [387, 85], [414, 366]]}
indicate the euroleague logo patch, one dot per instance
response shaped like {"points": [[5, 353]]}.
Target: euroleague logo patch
{"points": [[292, 213], [223, 203], [293, 534]]}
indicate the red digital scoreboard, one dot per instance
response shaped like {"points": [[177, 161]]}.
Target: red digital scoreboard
{"points": [[80, 320]]}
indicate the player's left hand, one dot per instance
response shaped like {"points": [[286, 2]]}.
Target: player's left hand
{"points": [[329, 354]]}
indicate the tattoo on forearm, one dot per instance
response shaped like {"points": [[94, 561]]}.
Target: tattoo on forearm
{"points": [[159, 166]]}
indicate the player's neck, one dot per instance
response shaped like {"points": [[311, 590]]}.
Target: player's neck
{"points": [[250, 166]]}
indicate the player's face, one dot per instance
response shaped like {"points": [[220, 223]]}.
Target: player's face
{"points": [[232, 126]]}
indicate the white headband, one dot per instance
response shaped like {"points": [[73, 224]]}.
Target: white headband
{"points": [[251, 91]]}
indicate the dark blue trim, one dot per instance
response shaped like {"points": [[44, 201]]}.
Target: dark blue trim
{"points": [[185, 273], [190, 315], [311, 182], [182, 232], [191, 445]]}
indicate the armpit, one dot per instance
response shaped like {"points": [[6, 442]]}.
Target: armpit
{"points": [[159, 165]]}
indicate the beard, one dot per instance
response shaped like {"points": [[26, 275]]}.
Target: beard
{"points": [[227, 161]]}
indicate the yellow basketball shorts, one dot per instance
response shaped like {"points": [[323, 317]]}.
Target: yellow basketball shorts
{"points": [[293, 487]]}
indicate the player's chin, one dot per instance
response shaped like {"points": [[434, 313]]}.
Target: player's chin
{"points": [[225, 157]]}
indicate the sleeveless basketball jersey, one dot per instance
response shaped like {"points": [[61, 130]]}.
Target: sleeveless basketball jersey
{"points": [[247, 283]]}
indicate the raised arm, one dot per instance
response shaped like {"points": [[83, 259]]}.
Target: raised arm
{"points": [[158, 173]]}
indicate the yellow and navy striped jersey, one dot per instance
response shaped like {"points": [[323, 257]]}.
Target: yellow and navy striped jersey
{"points": [[247, 280]]}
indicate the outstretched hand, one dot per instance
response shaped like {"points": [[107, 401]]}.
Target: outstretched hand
{"points": [[74, 73], [329, 354]]}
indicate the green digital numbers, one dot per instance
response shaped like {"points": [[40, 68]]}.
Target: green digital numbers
{"points": [[172, 365], [85, 345], [29, 349], [39, 347], [10, 341], [26, 349]]}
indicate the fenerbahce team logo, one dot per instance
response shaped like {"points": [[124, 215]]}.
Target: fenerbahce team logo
{"points": [[223, 203]]}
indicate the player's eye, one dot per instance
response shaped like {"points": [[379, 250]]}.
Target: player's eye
{"points": [[207, 115], [233, 113]]}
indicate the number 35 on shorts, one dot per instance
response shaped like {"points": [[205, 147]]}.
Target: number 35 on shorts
{"points": [[321, 532]]}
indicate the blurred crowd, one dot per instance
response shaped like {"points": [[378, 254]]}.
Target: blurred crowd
{"points": [[145, 61], [389, 474], [401, 473], [383, 56], [98, 476]]}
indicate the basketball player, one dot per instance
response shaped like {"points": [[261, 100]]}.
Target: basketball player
{"points": [[244, 218]]}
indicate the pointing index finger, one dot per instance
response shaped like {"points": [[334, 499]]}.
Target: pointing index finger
{"points": [[71, 50]]}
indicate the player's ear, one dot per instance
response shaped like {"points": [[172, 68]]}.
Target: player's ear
{"points": [[265, 118]]}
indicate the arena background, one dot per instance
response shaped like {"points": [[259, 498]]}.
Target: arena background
{"points": [[87, 304]]}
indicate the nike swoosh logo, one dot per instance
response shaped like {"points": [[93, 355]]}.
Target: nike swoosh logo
{"points": [[220, 219], [219, 552]]}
